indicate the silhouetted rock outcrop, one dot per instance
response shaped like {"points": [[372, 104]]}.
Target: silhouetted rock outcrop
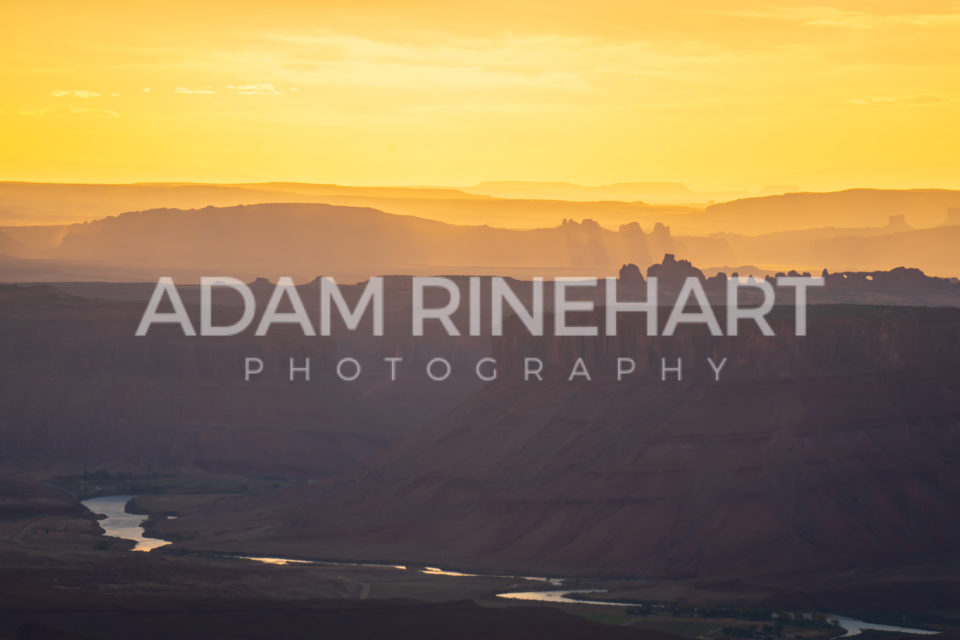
{"points": [[672, 272], [630, 273]]}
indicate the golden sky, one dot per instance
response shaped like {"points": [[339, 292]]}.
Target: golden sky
{"points": [[713, 94]]}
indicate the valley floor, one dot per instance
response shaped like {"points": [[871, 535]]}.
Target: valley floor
{"points": [[61, 578]]}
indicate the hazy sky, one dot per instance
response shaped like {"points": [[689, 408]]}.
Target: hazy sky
{"points": [[714, 94]]}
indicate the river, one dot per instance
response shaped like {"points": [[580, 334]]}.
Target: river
{"points": [[856, 627], [120, 524]]}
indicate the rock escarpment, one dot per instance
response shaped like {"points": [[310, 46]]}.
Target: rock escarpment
{"points": [[835, 450]]}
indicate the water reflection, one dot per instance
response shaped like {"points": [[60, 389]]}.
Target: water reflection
{"points": [[279, 561], [120, 524], [560, 596], [437, 571], [286, 561]]}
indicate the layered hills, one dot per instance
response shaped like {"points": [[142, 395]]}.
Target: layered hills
{"points": [[354, 243]]}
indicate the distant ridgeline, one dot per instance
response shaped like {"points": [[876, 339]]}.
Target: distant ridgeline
{"points": [[898, 286], [352, 243]]}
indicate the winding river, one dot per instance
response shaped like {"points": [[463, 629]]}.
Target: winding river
{"points": [[120, 524]]}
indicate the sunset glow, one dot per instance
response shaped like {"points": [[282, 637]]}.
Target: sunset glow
{"points": [[731, 96]]}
